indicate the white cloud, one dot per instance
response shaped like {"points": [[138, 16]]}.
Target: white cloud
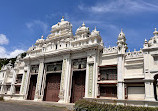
{"points": [[5, 54], [37, 23], [3, 39], [15, 53], [121, 6]]}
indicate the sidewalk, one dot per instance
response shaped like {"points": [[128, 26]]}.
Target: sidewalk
{"points": [[69, 106]]}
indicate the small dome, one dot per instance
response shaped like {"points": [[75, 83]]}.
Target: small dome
{"points": [[95, 32], [154, 40], [63, 22], [82, 29], [155, 32], [121, 35], [40, 40]]}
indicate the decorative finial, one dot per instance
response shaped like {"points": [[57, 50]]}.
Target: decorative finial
{"points": [[145, 40], [95, 28], [129, 50], [83, 25], [62, 18], [121, 30], [134, 49], [42, 37], [155, 32]]}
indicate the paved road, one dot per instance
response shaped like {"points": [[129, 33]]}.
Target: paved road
{"points": [[9, 106]]}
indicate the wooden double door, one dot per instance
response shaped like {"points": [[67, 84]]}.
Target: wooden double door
{"points": [[78, 86], [32, 87], [52, 87]]}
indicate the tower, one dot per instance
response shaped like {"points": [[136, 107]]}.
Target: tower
{"points": [[122, 47]]}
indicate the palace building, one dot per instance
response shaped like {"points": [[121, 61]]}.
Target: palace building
{"points": [[66, 67]]}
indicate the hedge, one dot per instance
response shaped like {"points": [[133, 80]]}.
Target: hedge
{"points": [[83, 105]]}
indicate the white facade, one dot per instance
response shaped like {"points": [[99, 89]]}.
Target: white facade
{"points": [[54, 66]]}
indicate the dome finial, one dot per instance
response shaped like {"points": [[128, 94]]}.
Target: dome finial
{"points": [[83, 25], [121, 35], [121, 30], [145, 40], [155, 32], [62, 18], [42, 37], [95, 28]]}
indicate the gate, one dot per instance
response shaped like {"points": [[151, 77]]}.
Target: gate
{"points": [[78, 86], [32, 87], [52, 87]]}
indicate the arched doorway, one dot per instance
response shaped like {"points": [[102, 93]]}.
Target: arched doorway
{"points": [[156, 87]]}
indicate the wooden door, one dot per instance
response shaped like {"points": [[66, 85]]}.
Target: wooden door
{"points": [[52, 87], [78, 86], [32, 87]]}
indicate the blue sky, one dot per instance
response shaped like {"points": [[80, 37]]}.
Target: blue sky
{"points": [[23, 22]]}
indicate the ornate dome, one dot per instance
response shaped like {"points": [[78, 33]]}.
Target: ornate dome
{"points": [[82, 29], [39, 41], [121, 35], [95, 32], [154, 40], [155, 32], [59, 24]]}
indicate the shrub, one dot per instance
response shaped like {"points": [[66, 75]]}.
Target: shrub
{"points": [[83, 105], [1, 98]]}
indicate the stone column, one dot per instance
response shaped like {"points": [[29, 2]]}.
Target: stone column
{"points": [[25, 81], [3, 82], [91, 73], [148, 81], [120, 81], [64, 94], [43, 85], [12, 88], [38, 96], [149, 90]]}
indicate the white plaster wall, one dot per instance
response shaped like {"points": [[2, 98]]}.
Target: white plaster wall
{"points": [[108, 60], [133, 70]]}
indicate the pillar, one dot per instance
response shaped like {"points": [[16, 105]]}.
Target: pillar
{"points": [[120, 73], [65, 84], [149, 90], [38, 96], [25, 81], [91, 75]]}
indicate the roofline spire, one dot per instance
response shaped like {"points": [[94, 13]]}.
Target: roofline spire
{"points": [[62, 18], [83, 25], [95, 28]]}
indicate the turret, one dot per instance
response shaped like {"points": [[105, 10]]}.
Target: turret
{"points": [[145, 44], [121, 43]]}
